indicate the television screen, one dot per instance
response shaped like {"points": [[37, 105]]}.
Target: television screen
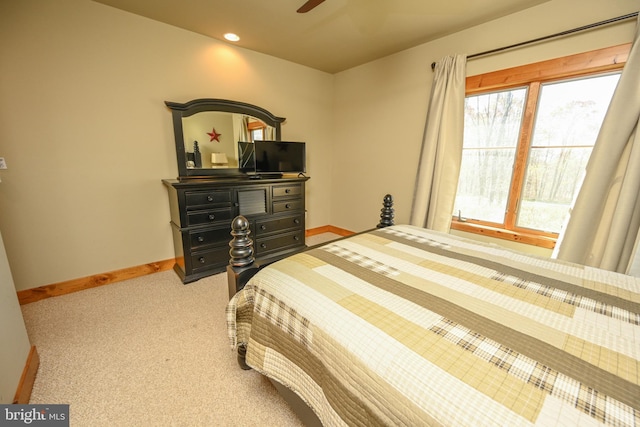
{"points": [[272, 156]]}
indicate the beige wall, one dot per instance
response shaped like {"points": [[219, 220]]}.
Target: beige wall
{"points": [[87, 137], [380, 107], [14, 350]]}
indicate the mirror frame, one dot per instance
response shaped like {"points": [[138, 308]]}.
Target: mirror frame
{"points": [[179, 110]]}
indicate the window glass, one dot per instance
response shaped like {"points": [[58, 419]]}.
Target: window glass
{"points": [[491, 130], [568, 119], [257, 134]]}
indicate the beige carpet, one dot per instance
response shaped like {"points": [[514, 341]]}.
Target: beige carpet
{"points": [[147, 352]]}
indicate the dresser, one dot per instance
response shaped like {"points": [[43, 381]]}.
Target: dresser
{"points": [[202, 211]]}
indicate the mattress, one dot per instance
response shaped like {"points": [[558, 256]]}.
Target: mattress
{"points": [[407, 326]]}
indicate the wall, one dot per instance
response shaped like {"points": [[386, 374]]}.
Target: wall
{"points": [[14, 350], [87, 137], [381, 106]]}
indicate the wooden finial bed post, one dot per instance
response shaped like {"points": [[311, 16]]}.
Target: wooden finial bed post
{"points": [[242, 263], [387, 214], [241, 268], [241, 245]]}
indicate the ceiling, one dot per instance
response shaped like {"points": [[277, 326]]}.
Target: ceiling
{"points": [[336, 35]]}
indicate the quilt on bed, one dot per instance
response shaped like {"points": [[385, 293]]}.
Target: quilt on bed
{"points": [[406, 326]]}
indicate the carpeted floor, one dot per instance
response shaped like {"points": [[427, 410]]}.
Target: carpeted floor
{"points": [[147, 352]]}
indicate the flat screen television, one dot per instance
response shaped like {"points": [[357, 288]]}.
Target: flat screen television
{"points": [[272, 157]]}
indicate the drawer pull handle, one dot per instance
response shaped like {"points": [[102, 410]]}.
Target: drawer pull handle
{"points": [[210, 198], [202, 260], [212, 217], [288, 190], [296, 221], [200, 239], [296, 238], [263, 227], [263, 245], [288, 206]]}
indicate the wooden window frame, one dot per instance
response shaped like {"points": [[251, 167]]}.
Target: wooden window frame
{"points": [[532, 76], [254, 126]]}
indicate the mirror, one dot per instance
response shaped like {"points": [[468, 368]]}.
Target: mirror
{"points": [[207, 132]]}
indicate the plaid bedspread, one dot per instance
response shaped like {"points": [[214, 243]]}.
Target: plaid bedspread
{"points": [[405, 326]]}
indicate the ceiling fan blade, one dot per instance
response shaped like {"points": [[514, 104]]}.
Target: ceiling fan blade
{"points": [[310, 4]]}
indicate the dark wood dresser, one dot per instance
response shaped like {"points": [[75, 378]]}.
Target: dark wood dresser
{"points": [[202, 211]]}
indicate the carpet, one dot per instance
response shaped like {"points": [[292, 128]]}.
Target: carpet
{"points": [[148, 351]]}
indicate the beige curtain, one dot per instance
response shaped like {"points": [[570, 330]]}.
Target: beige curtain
{"points": [[441, 154], [603, 226], [270, 133], [245, 135]]}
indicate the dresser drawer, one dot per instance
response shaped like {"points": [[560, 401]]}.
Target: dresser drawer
{"points": [[281, 241], [209, 216], [204, 260], [288, 205], [208, 198], [286, 190], [209, 237], [268, 226]]}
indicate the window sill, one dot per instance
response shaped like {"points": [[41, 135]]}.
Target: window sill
{"points": [[501, 233]]}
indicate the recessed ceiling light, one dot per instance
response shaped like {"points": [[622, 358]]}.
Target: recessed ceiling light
{"points": [[231, 37]]}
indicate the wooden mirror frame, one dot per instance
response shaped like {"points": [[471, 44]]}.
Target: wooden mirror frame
{"points": [[179, 111]]}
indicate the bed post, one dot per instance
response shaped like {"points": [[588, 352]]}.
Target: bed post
{"points": [[242, 264], [387, 214], [241, 268]]}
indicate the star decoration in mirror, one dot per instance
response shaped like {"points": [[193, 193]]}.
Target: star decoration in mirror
{"points": [[214, 135]]}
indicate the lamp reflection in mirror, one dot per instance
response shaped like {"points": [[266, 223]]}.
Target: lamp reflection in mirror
{"points": [[219, 160]]}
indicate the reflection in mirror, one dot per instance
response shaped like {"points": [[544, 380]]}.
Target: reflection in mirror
{"points": [[217, 133], [207, 133]]}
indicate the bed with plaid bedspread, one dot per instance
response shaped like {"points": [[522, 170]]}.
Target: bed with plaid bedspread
{"points": [[406, 326]]}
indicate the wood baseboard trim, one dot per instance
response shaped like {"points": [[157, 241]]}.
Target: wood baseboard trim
{"points": [[28, 378], [62, 288], [328, 229]]}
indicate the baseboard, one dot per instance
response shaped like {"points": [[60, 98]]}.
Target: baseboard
{"points": [[28, 378], [62, 288], [328, 229]]}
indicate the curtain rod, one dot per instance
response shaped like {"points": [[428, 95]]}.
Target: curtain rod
{"points": [[563, 33]]}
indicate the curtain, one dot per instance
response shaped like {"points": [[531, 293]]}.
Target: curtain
{"points": [[441, 153], [270, 133], [245, 135], [603, 225]]}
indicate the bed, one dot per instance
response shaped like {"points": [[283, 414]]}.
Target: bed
{"points": [[406, 326]]}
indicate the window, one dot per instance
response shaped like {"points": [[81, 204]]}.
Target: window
{"points": [[527, 142], [257, 130]]}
